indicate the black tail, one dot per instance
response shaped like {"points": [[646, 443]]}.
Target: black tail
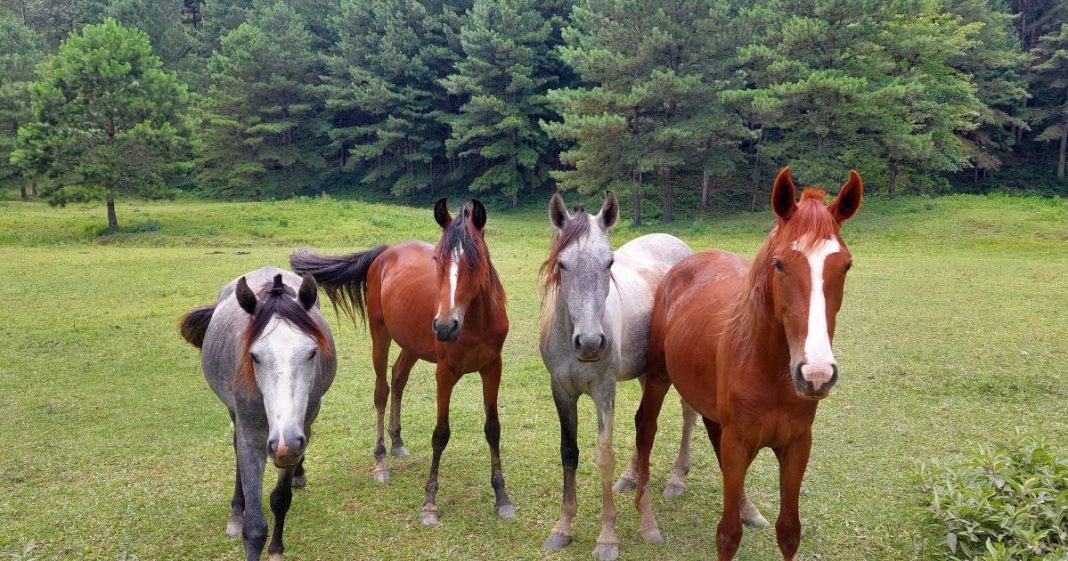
{"points": [[342, 277], [194, 324]]}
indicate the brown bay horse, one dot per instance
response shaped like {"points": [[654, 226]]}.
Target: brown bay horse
{"points": [[748, 345], [443, 304]]}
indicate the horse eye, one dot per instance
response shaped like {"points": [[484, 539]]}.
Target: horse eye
{"points": [[778, 264], [254, 359], [312, 354], [562, 266], [611, 262]]}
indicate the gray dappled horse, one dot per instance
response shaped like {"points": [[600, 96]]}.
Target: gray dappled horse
{"points": [[594, 331], [269, 356]]}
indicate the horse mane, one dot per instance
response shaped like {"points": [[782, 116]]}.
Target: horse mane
{"points": [[283, 305], [810, 223], [461, 234], [576, 227]]}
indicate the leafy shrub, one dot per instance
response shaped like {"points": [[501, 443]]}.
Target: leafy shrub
{"points": [[1007, 503]]}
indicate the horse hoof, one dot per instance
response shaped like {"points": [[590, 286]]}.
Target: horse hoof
{"points": [[752, 517], [506, 511], [624, 484], [382, 476], [672, 490], [429, 518], [401, 452], [556, 541], [606, 552], [233, 526], [274, 557], [300, 481], [652, 535]]}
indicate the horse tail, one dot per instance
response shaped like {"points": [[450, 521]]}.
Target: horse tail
{"points": [[342, 277], [194, 324]]}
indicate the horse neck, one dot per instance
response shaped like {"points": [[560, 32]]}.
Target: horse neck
{"points": [[755, 337], [483, 310]]}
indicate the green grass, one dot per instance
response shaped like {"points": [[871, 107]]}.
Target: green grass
{"points": [[952, 335]]}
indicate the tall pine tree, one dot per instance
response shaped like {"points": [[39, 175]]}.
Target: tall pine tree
{"points": [[20, 50]]}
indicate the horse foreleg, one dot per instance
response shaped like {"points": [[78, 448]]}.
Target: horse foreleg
{"points": [[401, 369], [446, 380], [735, 457], [645, 429], [567, 410], [237, 503], [750, 515], [281, 498], [300, 480], [793, 459], [677, 484], [250, 463], [491, 383], [605, 458], [380, 342]]}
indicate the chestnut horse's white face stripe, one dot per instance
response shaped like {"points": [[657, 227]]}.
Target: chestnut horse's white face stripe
{"points": [[818, 341]]}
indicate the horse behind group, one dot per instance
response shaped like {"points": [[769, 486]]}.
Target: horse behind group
{"points": [[748, 345], [442, 304], [269, 357], [594, 332]]}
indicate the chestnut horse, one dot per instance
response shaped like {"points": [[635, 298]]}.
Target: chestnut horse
{"points": [[441, 304], [749, 347]]}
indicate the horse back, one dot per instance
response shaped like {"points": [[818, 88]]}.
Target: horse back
{"points": [[401, 287]]}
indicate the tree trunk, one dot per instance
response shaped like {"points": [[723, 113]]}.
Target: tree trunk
{"points": [[23, 193], [636, 219], [891, 178], [33, 188], [113, 222], [706, 192], [1064, 142], [667, 198], [515, 199]]}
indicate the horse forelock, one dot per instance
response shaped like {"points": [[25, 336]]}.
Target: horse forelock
{"points": [[810, 224], [282, 305], [461, 238]]}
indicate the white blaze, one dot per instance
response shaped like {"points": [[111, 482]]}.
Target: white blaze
{"points": [[818, 340], [454, 275]]}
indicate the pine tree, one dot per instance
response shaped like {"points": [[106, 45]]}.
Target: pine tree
{"points": [[1050, 70], [261, 134], [504, 74], [106, 119], [653, 109], [383, 93], [20, 50]]}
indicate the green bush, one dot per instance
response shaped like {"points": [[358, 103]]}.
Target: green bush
{"points": [[1007, 503]]}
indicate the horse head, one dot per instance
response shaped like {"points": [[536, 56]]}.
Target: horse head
{"points": [[809, 261], [282, 349], [464, 269], [579, 270]]}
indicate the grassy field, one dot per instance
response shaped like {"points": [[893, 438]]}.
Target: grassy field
{"points": [[953, 335]]}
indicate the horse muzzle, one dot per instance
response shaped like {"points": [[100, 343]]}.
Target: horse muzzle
{"points": [[286, 451], [446, 331], [589, 346], [814, 381]]}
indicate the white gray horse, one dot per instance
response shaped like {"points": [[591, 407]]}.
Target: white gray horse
{"points": [[269, 356], [594, 332]]}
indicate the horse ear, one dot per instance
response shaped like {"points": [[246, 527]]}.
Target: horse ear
{"points": [[784, 195], [848, 201], [308, 293], [441, 213], [245, 297], [478, 214], [558, 215], [609, 211]]}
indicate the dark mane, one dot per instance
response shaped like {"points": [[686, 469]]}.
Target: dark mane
{"points": [[810, 223], [574, 229], [284, 306], [461, 235]]}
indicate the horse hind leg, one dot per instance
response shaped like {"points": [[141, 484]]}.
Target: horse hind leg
{"points": [[567, 411], [281, 499], [380, 342], [750, 515], [401, 369], [677, 484], [607, 542], [629, 478], [491, 382]]}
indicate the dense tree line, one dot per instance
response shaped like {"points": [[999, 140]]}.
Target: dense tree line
{"points": [[671, 102]]}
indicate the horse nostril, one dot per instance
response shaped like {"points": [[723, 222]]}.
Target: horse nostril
{"points": [[577, 342], [434, 324], [301, 441], [454, 324], [272, 446], [604, 341]]}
